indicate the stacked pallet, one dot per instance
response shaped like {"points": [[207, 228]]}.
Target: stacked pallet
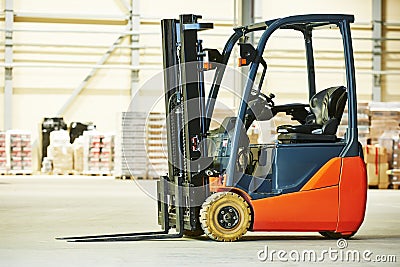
{"points": [[98, 153], [396, 157], [362, 122], [60, 153], [394, 176], [78, 146], [157, 151], [384, 116], [390, 140], [130, 145], [3, 156], [18, 152], [385, 132]]}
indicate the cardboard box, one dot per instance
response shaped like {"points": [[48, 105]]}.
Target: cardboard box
{"points": [[377, 175], [385, 122], [62, 157], [379, 127], [375, 154], [385, 114]]}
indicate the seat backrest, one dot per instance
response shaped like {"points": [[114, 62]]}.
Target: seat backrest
{"points": [[328, 106]]}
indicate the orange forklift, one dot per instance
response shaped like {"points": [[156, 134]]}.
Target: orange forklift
{"points": [[220, 185]]}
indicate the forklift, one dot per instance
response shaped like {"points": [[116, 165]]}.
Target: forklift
{"points": [[220, 185]]}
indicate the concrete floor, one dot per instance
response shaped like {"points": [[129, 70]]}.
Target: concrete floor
{"points": [[34, 210]]}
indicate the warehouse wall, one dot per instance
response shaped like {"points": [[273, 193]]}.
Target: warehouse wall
{"points": [[330, 54], [40, 92], [391, 83], [150, 56]]}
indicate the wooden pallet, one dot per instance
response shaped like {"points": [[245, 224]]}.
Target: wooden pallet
{"points": [[19, 173], [148, 178], [124, 177], [379, 186], [98, 174], [64, 173], [395, 186], [383, 185], [131, 177]]}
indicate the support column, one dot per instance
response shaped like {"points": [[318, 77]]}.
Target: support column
{"points": [[134, 20], [246, 17], [8, 60], [246, 14], [377, 50]]}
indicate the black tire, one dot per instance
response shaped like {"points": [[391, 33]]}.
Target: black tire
{"points": [[195, 233], [334, 235]]}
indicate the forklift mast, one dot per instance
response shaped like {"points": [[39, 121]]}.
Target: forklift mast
{"points": [[186, 119]]}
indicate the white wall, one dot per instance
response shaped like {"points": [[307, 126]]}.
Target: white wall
{"points": [[391, 61]]}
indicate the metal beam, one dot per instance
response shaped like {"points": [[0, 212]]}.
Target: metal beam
{"points": [[69, 18], [8, 60], [134, 23], [125, 5], [85, 81], [377, 49], [274, 68]]}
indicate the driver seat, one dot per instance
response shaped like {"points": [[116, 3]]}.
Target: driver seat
{"points": [[326, 108]]}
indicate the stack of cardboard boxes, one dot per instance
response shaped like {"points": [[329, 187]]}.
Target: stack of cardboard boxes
{"points": [[390, 140], [385, 133], [19, 152], [156, 145], [60, 152], [3, 157], [130, 145], [62, 156], [384, 116], [376, 158], [98, 151], [362, 122]]}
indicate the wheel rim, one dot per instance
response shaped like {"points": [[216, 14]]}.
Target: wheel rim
{"points": [[228, 217]]}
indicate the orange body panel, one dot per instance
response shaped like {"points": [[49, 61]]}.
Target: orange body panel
{"points": [[300, 211], [328, 175], [352, 195], [333, 200]]}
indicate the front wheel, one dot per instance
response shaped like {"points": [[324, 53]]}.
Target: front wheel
{"points": [[333, 235], [225, 216]]}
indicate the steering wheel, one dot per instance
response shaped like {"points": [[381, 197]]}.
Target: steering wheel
{"points": [[255, 94], [260, 107]]}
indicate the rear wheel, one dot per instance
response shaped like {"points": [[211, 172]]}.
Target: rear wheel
{"points": [[333, 235], [225, 216]]}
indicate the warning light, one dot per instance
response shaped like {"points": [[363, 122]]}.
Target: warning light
{"points": [[207, 66], [242, 62]]}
